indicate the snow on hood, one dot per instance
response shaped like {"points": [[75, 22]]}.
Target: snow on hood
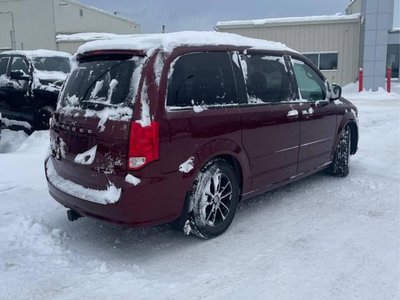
{"points": [[169, 41], [50, 75]]}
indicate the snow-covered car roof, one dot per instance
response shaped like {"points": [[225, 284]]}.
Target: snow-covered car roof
{"points": [[169, 41], [38, 53]]}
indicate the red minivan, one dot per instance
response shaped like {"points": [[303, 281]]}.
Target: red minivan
{"points": [[177, 128]]}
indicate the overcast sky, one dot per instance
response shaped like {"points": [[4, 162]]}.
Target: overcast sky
{"points": [[203, 15]]}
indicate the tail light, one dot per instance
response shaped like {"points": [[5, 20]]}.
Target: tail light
{"points": [[143, 145]]}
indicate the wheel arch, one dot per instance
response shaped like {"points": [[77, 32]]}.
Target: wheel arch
{"points": [[228, 150], [231, 158], [354, 136], [235, 164], [352, 123]]}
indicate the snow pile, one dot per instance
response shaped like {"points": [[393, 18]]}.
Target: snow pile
{"points": [[31, 236], [169, 41], [87, 157], [10, 141], [351, 92], [9, 123]]}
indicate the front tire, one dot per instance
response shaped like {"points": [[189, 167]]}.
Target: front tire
{"points": [[340, 163], [213, 200]]}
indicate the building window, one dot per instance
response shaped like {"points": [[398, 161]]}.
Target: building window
{"points": [[328, 61], [81, 12], [324, 61]]}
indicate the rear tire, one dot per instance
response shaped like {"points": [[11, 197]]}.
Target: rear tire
{"points": [[213, 200], [340, 163]]}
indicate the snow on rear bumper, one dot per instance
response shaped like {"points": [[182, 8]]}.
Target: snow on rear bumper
{"points": [[109, 196]]}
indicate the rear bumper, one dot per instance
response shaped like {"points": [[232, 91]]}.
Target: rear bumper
{"points": [[152, 202]]}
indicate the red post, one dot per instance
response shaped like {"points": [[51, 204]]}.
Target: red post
{"points": [[360, 79], [389, 79]]}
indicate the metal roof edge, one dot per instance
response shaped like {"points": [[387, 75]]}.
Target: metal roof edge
{"points": [[104, 12], [288, 23]]}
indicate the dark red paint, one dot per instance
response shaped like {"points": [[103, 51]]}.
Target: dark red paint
{"points": [[268, 148]]}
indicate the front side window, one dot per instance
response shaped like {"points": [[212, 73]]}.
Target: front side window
{"points": [[310, 84], [202, 79], [314, 58], [99, 83], [266, 78], [19, 64], [3, 65]]}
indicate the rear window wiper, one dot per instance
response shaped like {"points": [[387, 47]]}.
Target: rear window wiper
{"points": [[96, 105]]}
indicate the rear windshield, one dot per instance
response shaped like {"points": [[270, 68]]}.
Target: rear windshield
{"points": [[60, 64], [100, 83]]}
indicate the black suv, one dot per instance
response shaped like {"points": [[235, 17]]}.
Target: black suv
{"points": [[29, 84]]}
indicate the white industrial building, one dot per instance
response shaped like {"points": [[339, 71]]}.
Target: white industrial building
{"points": [[335, 38], [35, 24], [338, 45]]}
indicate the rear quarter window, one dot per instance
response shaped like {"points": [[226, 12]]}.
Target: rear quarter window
{"points": [[204, 78], [266, 77]]}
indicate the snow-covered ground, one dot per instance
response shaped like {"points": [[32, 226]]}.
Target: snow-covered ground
{"points": [[320, 238]]}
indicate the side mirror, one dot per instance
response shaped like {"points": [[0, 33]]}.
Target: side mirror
{"points": [[336, 91], [19, 75]]}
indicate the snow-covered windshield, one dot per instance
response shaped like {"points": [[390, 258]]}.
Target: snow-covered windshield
{"points": [[99, 83], [53, 63]]}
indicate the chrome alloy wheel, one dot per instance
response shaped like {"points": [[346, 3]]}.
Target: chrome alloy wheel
{"points": [[216, 199]]}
